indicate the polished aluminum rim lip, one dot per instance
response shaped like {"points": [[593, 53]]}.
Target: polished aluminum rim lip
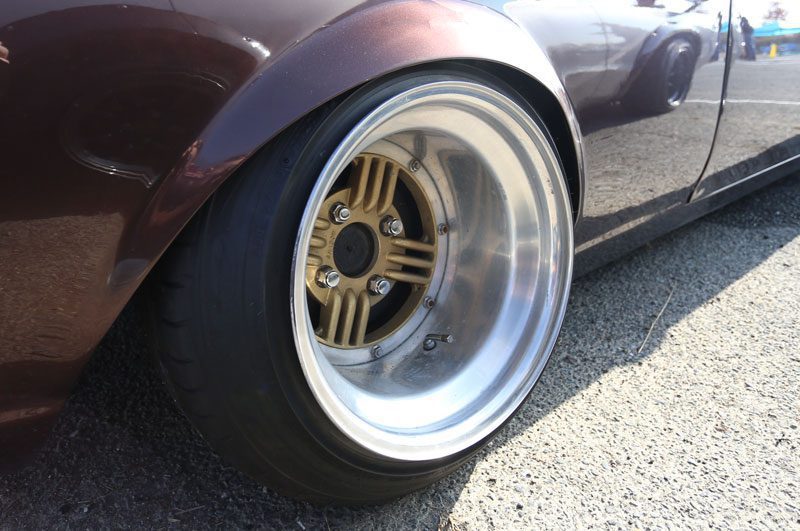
{"points": [[548, 200]]}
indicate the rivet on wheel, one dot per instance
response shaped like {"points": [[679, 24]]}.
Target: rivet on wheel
{"points": [[378, 285], [428, 302], [340, 213], [376, 352], [443, 229], [327, 277], [391, 226], [414, 165]]}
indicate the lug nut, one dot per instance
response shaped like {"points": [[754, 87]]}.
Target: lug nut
{"points": [[391, 226], [340, 213], [378, 285], [327, 277]]}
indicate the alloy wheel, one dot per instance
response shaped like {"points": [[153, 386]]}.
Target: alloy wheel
{"points": [[431, 270]]}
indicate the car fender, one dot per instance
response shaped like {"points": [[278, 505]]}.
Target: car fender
{"points": [[364, 45]]}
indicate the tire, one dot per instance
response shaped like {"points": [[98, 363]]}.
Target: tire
{"points": [[236, 306], [666, 81]]}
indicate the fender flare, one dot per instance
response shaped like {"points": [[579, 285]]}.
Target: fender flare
{"points": [[363, 45]]}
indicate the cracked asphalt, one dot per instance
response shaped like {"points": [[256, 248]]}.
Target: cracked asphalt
{"points": [[696, 427]]}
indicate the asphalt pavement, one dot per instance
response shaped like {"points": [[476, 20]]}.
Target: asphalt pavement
{"points": [[695, 425]]}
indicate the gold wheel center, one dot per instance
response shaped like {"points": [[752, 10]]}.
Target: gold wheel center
{"points": [[353, 314]]}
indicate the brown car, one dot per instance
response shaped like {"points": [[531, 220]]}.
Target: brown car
{"points": [[359, 220]]}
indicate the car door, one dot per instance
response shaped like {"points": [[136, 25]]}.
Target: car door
{"points": [[643, 160], [640, 160], [759, 126]]}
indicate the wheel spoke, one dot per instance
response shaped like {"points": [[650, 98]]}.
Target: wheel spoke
{"points": [[405, 276], [423, 264], [318, 242], [414, 245], [411, 261], [329, 318], [375, 184], [348, 314], [359, 180], [343, 321], [362, 316], [388, 188]]}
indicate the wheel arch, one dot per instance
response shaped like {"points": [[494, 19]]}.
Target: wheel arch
{"points": [[326, 65]]}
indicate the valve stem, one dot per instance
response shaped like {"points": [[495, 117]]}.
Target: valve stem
{"points": [[432, 339]]}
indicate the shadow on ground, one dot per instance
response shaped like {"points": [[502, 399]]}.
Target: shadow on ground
{"points": [[122, 455]]}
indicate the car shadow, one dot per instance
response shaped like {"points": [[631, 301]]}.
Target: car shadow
{"points": [[122, 454]]}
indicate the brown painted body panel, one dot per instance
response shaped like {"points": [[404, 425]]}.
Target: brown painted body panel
{"points": [[118, 120], [767, 90]]}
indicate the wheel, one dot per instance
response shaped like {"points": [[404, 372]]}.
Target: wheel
{"points": [[359, 309], [665, 83]]}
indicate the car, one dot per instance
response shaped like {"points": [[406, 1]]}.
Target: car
{"points": [[355, 223]]}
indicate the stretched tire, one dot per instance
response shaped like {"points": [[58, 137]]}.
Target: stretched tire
{"points": [[366, 303]]}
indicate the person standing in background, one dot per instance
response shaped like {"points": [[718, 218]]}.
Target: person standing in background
{"points": [[747, 34], [718, 47]]}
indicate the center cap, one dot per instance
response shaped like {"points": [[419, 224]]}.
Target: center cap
{"points": [[354, 250]]}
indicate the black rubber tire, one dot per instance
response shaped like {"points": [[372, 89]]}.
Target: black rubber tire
{"points": [[651, 93], [224, 329]]}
